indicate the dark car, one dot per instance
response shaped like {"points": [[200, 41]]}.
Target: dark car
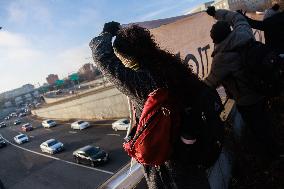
{"points": [[17, 122], [90, 155], [27, 127], [2, 142], [2, 124]]}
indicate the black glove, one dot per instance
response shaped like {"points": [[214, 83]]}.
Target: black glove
{"points": [[211, 11], [112, 28]]}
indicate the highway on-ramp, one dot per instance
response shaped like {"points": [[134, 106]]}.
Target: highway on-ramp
{"points": [[25, 166]]}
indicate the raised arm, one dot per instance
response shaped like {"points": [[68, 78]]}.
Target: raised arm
{"points": [[128, 81], [236, 20], [255, 24]]}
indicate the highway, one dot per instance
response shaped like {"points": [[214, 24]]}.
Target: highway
{"points": [[25, 166]]}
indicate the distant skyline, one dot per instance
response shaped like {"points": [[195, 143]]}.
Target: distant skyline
{"points": [[41, 37]]}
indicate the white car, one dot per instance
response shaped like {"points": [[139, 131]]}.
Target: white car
{"points": [[48, 123], [80, 125], [21, 138], [51, 146], [121, 124]]}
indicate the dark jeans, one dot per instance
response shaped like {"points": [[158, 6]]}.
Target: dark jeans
{"points": [[257, 119]]}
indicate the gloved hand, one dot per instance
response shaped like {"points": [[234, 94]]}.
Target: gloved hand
{"points": [[211, 11], [112, 28]]}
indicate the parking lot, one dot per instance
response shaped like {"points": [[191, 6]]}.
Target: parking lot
{"points": [[25, 166]]}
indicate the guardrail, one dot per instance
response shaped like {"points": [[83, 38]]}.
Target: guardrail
{"points": [[128, 177]]}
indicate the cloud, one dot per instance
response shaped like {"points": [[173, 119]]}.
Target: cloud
{"points": [[70, 60], [8, 39], [16, 49], [21, 62], [25, 11], [17, 60], [16, 13], [164, 7]]}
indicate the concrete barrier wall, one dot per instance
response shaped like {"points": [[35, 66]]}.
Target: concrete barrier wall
{"points": [[106, 104]]}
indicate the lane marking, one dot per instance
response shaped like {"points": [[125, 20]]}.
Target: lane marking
{"points": [[93, 124], [72, 132], [58, 159], [113, 134], [102, 124]]}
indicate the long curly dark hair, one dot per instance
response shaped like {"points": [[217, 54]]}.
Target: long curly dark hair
{"points": [[138, 44]]}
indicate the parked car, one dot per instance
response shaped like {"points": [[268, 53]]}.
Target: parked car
{"points": [[21, 138], [14, 114], [48, 123], [2, 142], [27, 127], [51, 146], [7, 118], [37, 105], [80, 125], [22, 115], [90, 155], [2, 124], [121, 124], [17, 122]]}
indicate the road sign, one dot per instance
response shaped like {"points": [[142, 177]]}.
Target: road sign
{"points": [[59, 82], [74, 77]]}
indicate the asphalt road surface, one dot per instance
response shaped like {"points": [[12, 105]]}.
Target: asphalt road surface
{"points": [[25, 166]]}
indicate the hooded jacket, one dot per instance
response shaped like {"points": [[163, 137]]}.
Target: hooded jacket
{"points": [[227, 68]]}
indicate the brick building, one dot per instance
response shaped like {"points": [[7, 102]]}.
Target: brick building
{"points": [[51, 78]]}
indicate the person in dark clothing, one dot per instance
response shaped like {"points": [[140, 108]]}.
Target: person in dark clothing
{"points": [[137, 66], [1, 185], [227, 70], [273, 27]]}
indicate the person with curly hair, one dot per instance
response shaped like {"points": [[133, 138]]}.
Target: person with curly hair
{"points": [[137, 66]]}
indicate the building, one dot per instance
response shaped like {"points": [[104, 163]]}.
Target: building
{"points": [[8, 104], [253, 5], [87, 71], [201, 7], [247, 5], [17, 92], [51, 79]]}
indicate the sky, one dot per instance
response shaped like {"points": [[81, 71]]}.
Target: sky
{"points": [[41, 37]]}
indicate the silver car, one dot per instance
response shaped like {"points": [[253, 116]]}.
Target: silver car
{"points": [[121, 124], [51, 146], [48, 123], [80, 125], [21, 138]]}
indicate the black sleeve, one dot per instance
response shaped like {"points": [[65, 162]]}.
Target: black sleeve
{"points": [[128, 81], [255, 24]]}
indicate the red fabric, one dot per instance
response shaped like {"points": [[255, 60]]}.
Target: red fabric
{"points": [[154, 144]]}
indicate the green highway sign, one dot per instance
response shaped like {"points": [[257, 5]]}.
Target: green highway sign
{"points": [[74, 77], [59, 82]]}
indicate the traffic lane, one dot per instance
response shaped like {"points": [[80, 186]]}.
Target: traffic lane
{"points": [[21, 169], [101, 135]]}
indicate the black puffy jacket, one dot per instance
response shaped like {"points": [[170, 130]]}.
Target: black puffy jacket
{"points": [[273, 28]]}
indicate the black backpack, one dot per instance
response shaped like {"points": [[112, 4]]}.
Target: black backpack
{"points": [[265, 68], [203, 123]]}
